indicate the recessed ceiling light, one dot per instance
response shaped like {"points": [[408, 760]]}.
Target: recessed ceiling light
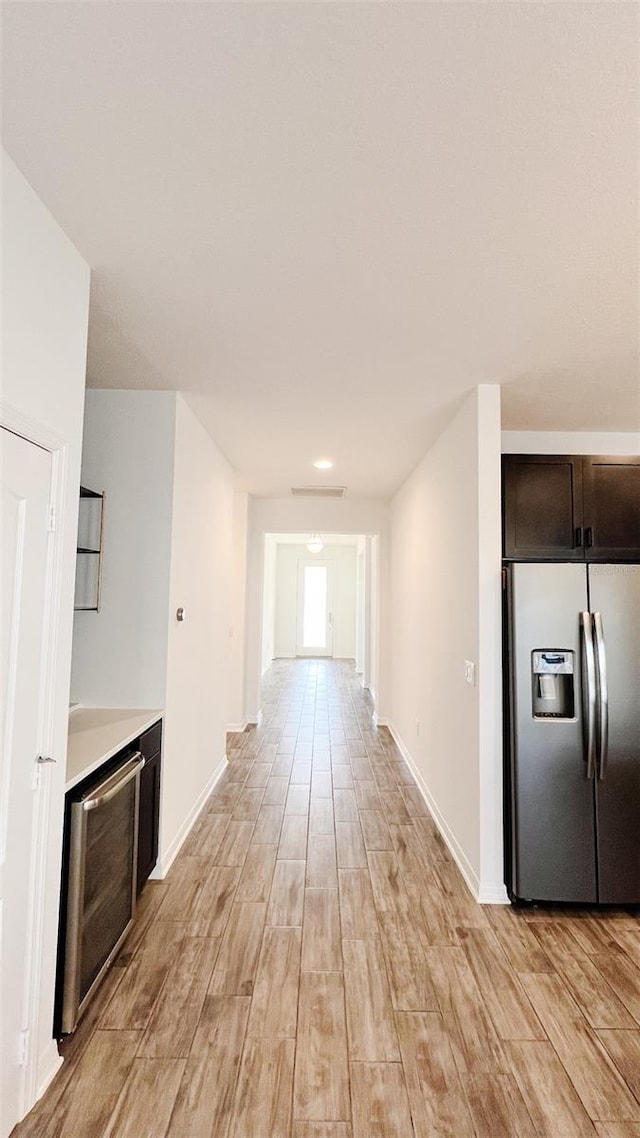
{"points": [[323, 464]]}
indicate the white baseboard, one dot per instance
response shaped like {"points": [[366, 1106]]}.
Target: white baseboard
{"points": [[168, 857], [456, 851], [49, 1064], [485, 893], [493, 895], [381, 721], [237, 728], [39, 1080], [250, 721]]}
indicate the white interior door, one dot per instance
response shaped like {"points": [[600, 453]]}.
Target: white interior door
{"points": [[315, 613], [26, 480]]}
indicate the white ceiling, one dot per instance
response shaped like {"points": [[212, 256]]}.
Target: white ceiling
{"points": [[327, 222]]}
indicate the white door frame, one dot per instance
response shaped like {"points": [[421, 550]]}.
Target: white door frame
{"points": [[302, 565], [49, 796]]}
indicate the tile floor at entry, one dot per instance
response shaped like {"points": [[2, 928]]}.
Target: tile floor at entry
{"points": [[314, 967]]}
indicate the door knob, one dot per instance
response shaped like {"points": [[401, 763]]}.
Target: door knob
{"points": [[44, 759]]}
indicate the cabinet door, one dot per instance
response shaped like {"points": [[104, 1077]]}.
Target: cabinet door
{"points": [[151, 741], [611, 488], [148, 818], [542, 507]]}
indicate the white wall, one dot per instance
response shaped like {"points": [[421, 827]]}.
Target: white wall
{"points": [[197, 691], [375, 610], [120, 653], [445, 609], [304, 515], [570, 442], [361, 606], [490, 751], [269, 603], [343, 562], [237, 627], [44, 339], [169, 543]]}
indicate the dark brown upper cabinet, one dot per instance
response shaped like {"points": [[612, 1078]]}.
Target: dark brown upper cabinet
{"points": [[571, 508], [611, 498], [542, 507]]}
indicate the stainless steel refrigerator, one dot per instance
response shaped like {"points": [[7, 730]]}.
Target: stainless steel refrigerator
{"points": [[573, 732]]}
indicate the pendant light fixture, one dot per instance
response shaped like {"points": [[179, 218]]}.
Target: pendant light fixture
{"points": [[315, 543]]}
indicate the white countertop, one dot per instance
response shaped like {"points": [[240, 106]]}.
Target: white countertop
{"points": [[97, 733]]}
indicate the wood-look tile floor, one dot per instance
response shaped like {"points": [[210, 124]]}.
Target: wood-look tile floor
{"points": [[314, 967]]}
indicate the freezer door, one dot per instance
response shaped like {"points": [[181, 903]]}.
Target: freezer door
{"points": [[614, 593], [552, 797]]}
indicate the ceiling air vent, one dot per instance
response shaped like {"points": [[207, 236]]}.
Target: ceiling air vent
{"points": [[318, 491]]}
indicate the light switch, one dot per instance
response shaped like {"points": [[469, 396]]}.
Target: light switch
{"points": [[470, 673]]}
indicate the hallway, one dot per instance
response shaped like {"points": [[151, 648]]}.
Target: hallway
{"points": [[314, 967]]}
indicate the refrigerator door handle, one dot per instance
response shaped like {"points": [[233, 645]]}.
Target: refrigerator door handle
{"points": [[603, 694], [589, 692]]}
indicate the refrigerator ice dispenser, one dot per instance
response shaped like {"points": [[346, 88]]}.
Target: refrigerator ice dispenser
{"points": [[552, 684]]}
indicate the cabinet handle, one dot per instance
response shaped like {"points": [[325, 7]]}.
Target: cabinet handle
{"points": [[588, 537], [579, 537]]}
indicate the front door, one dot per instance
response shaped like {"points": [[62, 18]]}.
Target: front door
{"points": [[315, 615], [26, 479]]}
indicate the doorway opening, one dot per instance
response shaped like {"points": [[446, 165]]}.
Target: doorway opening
{"points": [[315, 612], [320, 599]]}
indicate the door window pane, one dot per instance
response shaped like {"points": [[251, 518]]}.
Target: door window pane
{"points": [[314, 620]]}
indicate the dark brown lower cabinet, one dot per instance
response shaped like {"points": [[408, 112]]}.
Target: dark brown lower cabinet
{"points": [[149, 810], [99, 861]]}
